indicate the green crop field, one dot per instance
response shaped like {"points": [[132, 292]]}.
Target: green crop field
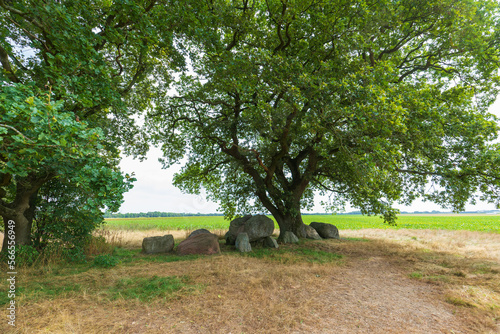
{"points": [[170, 223], [485, 223]]}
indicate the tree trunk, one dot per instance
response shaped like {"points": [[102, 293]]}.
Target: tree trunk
{"points": [[291, 221], [30, 212], [21, 213], [21, 228]]}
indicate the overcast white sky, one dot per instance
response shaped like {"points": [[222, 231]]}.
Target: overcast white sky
{"points": [[153, 190]]}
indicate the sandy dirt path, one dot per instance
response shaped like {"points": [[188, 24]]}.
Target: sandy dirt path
{"points": [[372, 296]]}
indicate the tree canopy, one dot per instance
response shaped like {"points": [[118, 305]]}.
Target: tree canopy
{"points": [[372, 102]]}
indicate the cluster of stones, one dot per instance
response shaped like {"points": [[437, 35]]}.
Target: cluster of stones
{"points": [[249, 231], [244, 233]]}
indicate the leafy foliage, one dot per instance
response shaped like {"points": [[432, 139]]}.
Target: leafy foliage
{"points": [[68, 213], [26, 255], [36, 135], [97, 57]]}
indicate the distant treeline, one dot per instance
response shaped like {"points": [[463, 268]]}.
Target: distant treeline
{"points": [[157, 214]]}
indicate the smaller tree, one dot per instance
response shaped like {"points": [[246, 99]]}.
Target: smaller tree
{"points": [[40, 142]]}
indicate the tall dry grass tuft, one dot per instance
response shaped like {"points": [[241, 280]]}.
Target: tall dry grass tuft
{"points": [[104, 241], [133, 239]]}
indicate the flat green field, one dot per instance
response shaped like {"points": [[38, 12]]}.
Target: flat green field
{"points": [[484, 223]]}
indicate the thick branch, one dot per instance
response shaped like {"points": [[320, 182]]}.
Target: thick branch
{"points": [[257, 156], [262, 187], [141, 69], [22, 14], [234, 41]]}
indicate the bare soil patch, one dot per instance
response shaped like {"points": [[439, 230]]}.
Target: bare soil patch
{"points": [[389, 283]]}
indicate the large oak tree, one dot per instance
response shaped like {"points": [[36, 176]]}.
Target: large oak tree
{"points": [[370, 101]]}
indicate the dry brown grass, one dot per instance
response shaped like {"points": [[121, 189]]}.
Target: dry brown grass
{"points": [[395, 282], [466, 243]]}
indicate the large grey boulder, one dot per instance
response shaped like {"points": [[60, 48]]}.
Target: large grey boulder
{"points": [[243, 243], [311, 233], [289, 238], [326, 231], [160, 244], [257, 227], [204, 243]]}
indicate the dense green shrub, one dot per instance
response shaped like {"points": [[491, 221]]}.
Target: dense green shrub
{"points": [[63, 216], [26, 255]]}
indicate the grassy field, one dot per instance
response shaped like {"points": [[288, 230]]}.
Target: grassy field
{"points": [[483, 223], [439, 265], [340, 284]]}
